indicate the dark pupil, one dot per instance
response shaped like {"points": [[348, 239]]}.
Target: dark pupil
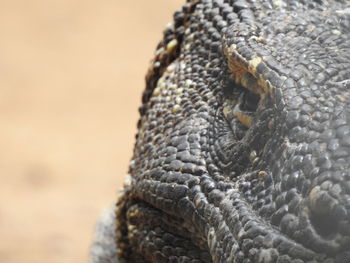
{"points": [[231, 89], [249, 101]]}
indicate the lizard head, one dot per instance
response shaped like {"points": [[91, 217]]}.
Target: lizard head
{"points": [[289, 102], [296, 139], [245, 130]]}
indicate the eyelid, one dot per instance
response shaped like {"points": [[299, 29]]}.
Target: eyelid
{"points": [[245, 118], [250, 83], [234, 108]]}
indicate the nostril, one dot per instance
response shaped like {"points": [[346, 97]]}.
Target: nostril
{"points": [[325, 213], [325, 225]]}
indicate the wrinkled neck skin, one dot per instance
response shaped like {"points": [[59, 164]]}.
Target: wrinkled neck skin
{"points": [[244, 136]]}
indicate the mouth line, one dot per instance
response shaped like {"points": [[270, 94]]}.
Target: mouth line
{"points": [[246, 226], [323, 233]]}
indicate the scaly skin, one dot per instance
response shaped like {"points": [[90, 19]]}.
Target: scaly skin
{"points": [[243, 149]]}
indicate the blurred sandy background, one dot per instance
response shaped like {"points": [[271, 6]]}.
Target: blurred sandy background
{"points": [[71, 77]]}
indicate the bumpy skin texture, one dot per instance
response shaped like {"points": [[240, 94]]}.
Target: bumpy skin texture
{"points": [[243, 149]]}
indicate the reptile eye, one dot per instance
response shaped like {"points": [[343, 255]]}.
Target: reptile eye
{"points": [[249, 101], [241, 100], [231, 89], [247, 105]]}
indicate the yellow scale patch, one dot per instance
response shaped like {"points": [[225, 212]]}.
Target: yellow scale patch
{"points": [[245, 119], [245, 73]]}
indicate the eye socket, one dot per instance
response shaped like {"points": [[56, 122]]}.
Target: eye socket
{"points": [[241, 103], [231, 89], [249, 101]]}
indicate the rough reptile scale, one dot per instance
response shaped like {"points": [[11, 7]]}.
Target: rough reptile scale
{"points": [[243, 145]]}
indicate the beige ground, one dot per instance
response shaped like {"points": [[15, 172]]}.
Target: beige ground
{"points": [[71, 75]]}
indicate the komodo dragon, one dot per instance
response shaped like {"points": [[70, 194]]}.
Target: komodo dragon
{"points": [[243, 145]]}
